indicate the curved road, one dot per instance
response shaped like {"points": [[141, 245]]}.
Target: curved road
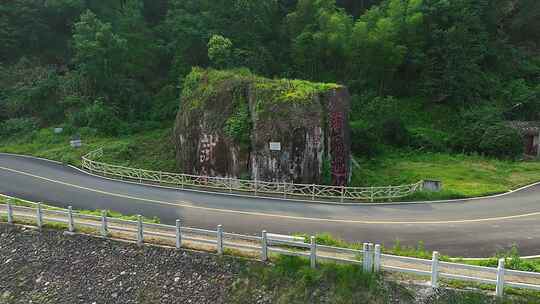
{"points": [[473, 228]]}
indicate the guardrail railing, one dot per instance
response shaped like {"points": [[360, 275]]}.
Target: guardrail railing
{"points": [[257, 188], [370, 257]]}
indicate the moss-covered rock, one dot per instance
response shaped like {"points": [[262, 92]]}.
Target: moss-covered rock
{"points": [[228, 119]]}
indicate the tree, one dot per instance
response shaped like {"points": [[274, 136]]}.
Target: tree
{"points": [[99, 52], [220, 52], [320, 32], [383, 38]]}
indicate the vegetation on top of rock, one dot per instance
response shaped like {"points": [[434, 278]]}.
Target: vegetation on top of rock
{"points": [[203, 84]]}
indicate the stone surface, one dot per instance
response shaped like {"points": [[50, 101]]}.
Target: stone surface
{"points": [[309, 120], [50, 267]]}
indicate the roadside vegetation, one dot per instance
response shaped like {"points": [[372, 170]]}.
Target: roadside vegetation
{"points": [[291, 280]]}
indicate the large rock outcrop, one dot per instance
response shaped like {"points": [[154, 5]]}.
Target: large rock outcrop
{"points": [[228, 119]]}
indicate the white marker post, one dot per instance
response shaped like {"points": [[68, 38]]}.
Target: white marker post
{"points": [[178, 234]]}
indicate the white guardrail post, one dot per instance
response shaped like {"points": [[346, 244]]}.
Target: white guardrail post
{"points": [[39, 216], [313, 253], [377, 258], [10, 212], [370, 257], [220, 240], [140, 232], [71, 223], [365, 258], [264, 246], [178, 234], [104, 224], [435, 270], [499, 291]]}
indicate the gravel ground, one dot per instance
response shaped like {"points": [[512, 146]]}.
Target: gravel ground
{"points": [[49, 267]]}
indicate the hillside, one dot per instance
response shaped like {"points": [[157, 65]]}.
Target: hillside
{"points": [[433, 84]]}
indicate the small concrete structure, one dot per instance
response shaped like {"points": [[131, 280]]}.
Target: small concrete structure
{"points": [[75, 143], [58, 130], [530, 130], [432, 185]]}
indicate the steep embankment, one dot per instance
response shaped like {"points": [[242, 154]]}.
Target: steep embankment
{"points": [[50, 267], [228, 120]]}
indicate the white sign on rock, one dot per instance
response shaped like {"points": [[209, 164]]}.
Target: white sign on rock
{"points": [[275, 146]]}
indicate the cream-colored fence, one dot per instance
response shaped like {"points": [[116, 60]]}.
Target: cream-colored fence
{"points": [[254, 187]]}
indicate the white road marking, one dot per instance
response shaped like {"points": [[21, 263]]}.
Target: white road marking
{"points": [[185, 204]]}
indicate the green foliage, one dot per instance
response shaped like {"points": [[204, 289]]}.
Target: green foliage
{"points": [[220, 51], [18, 126], [102, 118], [239, 126], [501, 141], [291, 280]]}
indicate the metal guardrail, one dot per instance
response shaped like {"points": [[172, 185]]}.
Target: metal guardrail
{"points": [[369, 257], [257, 188]]}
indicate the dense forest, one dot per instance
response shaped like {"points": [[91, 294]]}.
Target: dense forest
{"points": [[116, 67]]}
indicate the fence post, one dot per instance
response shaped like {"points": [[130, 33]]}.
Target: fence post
{"points": [[220, 239], [230, 185], [365, 258], [9, 212], [140, 232], [435, 270], [284, 190], [370, 257], [104, 224], [313, 192], [377, 258], [342, 194], [264, 247], [313, 253], [71, 224], [500, 279], [256, 185], [39, 216], [178, 235], [372, 195]]}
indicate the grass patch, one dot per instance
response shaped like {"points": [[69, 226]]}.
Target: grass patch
{"points": [[291, 280], [462, 175], [152, 150]]}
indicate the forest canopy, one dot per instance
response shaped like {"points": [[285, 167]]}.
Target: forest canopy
{"points": [[117, 66]]}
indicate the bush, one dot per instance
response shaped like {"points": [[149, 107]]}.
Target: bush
{"points": [[501, 141], [429, 139], [473, 124], [364, 139], [394, 132], [17, 126], [102, 117]]}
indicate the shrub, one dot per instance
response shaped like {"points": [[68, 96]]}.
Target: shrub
{"points": [[473, 124], [394, 132], [364, 139], [16, 126], [102, 117], [501, 141], [429, 139]]}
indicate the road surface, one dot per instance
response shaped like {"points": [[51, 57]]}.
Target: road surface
{"points": [[472, 228]]}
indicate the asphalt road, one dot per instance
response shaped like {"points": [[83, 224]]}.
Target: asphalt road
{"points": [[473, 228]]}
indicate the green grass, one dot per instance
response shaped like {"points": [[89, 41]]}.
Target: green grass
{"points": [[291, 280], [152, 150], [462, 175]]}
